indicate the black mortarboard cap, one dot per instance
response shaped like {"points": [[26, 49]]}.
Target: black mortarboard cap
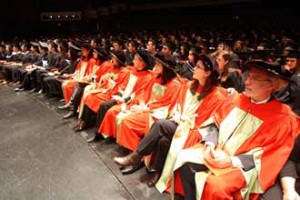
{"points": [[271, 67], [102, 53], [145, 56], [293, 54], [120, 56], [72, 45], [166, 60], [264, 54]]}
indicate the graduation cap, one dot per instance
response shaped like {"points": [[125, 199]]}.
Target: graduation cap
{"points": [[145, 56], [120, 56], [264, 55], [293, 54], [243, 56], [166, 60], [102, 53], [35, 44], [43, 44], [56, 41], [73, 46], [271, 67], [85, 45]]}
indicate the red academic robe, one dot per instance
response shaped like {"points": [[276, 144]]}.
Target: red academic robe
{"points": [[93, 100], [108, 125], [82, 71], [202, 113], [275, 136], [136, 125]]}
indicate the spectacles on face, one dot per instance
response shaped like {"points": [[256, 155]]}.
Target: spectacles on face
{"points": [[198, 66], [255, 78]]}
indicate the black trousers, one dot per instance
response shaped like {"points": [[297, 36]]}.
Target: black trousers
{"points": [[159, 140], [7, 73], [54, 86], [88, 116], [104, 107], [26, 81], [275, 191], [76, 96], [39, 76], [187, 173]]}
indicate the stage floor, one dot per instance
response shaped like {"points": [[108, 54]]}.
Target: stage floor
{"points": [[42, 158]]}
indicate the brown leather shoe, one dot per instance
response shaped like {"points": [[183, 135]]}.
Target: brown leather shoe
{"points": [[153, 179], [131, 159], [131, 168]]}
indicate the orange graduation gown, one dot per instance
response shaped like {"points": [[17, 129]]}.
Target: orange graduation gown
{"points": [[108, 126], [266, 131], [134, 126]]}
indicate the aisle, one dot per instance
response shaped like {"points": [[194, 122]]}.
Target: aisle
{"points": [[41, 158]]}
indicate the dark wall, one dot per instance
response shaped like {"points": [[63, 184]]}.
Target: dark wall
{"points": [[23, 19]]}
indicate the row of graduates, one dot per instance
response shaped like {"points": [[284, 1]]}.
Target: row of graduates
{"points": [[31, 69], [126, 101], [189, 122]]}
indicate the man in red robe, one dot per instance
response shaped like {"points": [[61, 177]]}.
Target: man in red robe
{"points": [[245, 143]]}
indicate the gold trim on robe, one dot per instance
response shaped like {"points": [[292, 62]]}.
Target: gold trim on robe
{"points": [[185, 119]]}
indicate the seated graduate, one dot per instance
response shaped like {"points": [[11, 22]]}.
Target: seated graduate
{"points": [[196, 101], [241, 141]]}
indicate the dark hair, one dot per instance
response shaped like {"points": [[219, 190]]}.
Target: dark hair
{"points": [[53, 45], [168, 62], [195, 53], [154, 42], [167, 75], [210, 82]]}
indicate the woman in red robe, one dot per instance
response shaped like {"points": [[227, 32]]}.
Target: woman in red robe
{"points": [[79, 74], [97, 66], [153, 104], [138, 81], [197, 99], [107, 85]]}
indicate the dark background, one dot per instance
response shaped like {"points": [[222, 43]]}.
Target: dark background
{"points": [[22, 18]]}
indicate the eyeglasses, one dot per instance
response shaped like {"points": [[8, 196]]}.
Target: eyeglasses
{"points": [[255, 78], [199, 67]]}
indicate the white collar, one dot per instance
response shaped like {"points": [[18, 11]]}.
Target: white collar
{"points": [[261, 102]]}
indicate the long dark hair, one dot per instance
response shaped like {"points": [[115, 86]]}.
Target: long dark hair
{"points": [[168, 63], [167, 75], [211, 81]]}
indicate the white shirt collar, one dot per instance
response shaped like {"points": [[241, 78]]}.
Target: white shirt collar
{"points": [[261, 102]]}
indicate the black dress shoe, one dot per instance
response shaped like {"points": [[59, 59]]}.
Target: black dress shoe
{"points": [[131, 168], [33, 90], [95, 138], [69, 115], [154, 177], [131, 159], [19, 89], [64, 107], [79, 126]]}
